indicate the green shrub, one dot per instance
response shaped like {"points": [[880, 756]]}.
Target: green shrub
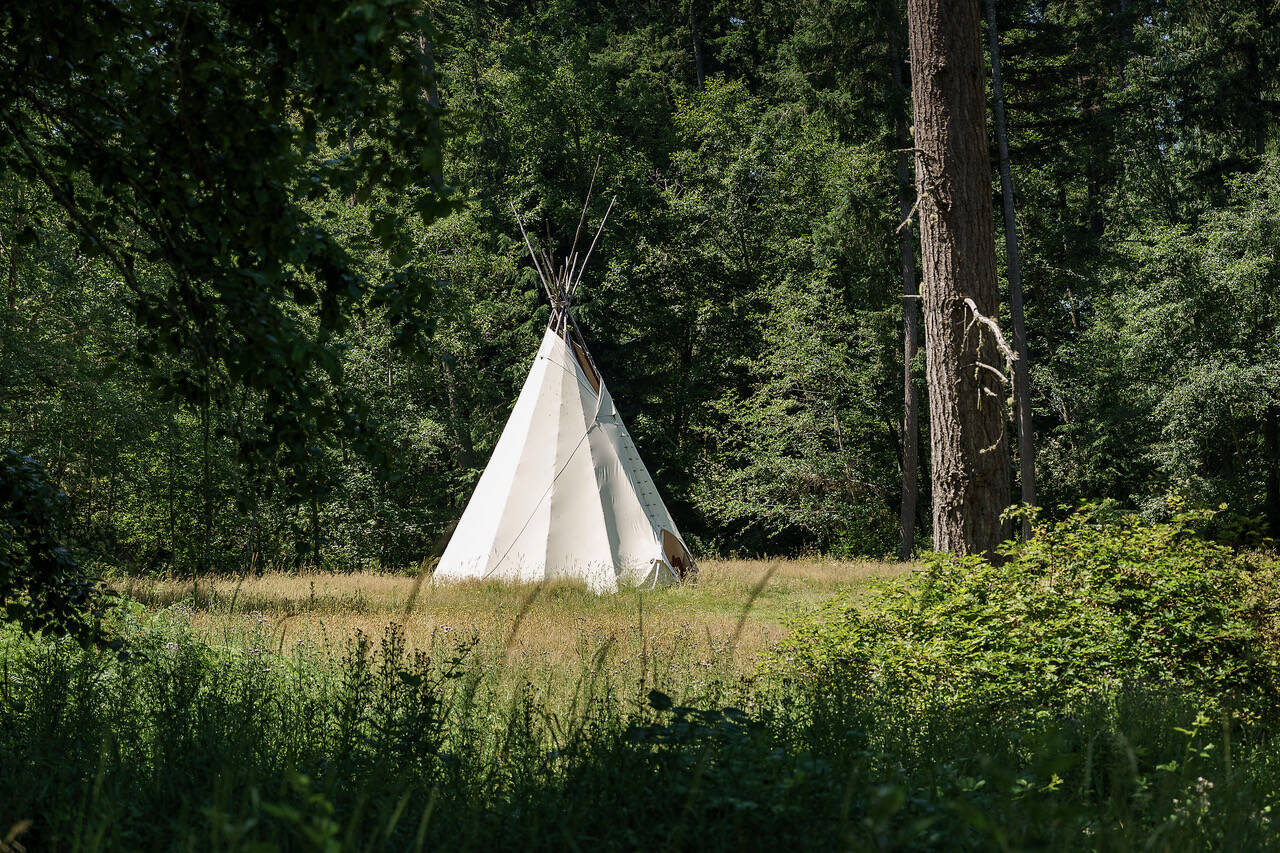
{"points": [[1087, 605], [43, 587]]}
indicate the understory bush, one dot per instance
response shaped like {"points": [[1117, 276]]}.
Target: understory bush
{"points": [[1090, 604]]}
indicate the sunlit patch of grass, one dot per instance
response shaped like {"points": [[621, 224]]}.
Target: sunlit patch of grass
{"points": [[722, 622]]}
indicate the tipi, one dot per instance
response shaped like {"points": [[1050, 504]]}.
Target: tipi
{"points": [[565, 494]]}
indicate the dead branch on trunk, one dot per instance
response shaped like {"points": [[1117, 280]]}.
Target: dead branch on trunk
{"points": [[982, 321], [1001, 344], [922, 164]]}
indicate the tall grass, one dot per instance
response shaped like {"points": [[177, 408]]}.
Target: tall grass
{"points": [[464, 740], [185, 747]]}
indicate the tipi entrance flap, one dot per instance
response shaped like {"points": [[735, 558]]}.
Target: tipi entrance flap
{"points": [[677, 554]]}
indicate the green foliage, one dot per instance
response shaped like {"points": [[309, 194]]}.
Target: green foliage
{"points": [[786, 208], [181, 142], [237, 330], [42, 586], [1139, 131], [1199, 334], [1086, 606], [240, 748]]}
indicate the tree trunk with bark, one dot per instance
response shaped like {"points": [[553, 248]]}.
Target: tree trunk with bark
{"points": [[910, 332], [698, 75], [1021, 367], [969, 453]]}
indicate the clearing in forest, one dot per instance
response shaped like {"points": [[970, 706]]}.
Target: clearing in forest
{"points": [[554, 628]]}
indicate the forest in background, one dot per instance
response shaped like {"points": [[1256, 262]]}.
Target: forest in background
{"points": [[745, 301]]}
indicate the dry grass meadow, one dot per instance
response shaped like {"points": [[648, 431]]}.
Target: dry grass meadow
{"points": [[540, 633]]}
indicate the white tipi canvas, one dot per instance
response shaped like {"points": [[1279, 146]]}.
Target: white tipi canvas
{"points": [[565, 494]]}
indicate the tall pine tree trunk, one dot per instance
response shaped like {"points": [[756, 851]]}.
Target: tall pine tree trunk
{"points": [[910, 331], [968, 450], [1021, 367]]}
